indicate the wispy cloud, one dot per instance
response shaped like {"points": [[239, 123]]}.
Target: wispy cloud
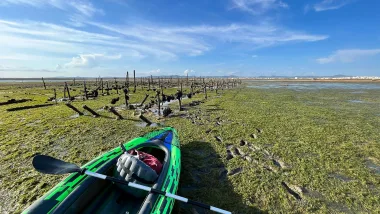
{"points": [[83, 7], [330, 5], [258, 7], [188, 71], [195, 40], [348, 55], [134, 41], [89, 60]]}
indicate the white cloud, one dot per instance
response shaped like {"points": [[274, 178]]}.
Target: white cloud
{"points": [[348, 55], [330, 5], [258, 7], [187, 71], [83, 7], [195, 40], [89, 60]]}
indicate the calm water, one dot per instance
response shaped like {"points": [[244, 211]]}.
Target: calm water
{"points": [[315, 85]]}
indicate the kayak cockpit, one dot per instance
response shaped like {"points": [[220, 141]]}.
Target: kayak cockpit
{"points": [[102, 196]]}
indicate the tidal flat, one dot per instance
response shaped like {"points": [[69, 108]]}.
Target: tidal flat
{"points": [[249, 149]]}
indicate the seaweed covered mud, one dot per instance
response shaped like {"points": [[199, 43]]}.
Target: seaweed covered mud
{"points": [[250, 148]]}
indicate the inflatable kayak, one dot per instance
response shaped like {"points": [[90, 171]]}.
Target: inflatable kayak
{"points": [[80, 193]]}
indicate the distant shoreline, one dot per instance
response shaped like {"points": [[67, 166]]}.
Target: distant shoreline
{"points": [[69, 79]]}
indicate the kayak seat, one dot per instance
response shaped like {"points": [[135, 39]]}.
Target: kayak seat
{"points": [[131, 169]]}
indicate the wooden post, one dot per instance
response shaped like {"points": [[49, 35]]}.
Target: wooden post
{"points": [[102, 87], [85, 89], [74, 81], [128, 80], [146, 97], [159, 102], [73, 108], [151, 80], [148, 84], [159, 83], [43, 81], [145, 119], [205, 90], [134, 81], [55, 96], [216, 90], [142, 83], [126, 97], [64, 91], [187, 79], [181, 86], [108, 89], [91, 111], [118, 116], [68, 90]]}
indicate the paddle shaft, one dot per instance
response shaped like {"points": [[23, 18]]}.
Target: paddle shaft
{"points": [[148, 189]]}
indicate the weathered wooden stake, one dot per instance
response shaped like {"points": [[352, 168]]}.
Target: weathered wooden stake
{"points": [[118, 116], [146, 97], [145, 119], [74, 81], [148, 84], [102, 86], [159, 102], [91, 111], [108, 89], [205, 90], [127, 80], [68, 90], [134, 81], [55, 96], [85, 89], [126, 97], [73, 108], [151, 80], [43, 81]]}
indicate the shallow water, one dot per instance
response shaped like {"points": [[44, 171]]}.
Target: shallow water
{"points": [[315, 86]]}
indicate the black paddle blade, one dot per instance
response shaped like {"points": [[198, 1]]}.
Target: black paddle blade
{"points": [[49, 165]]}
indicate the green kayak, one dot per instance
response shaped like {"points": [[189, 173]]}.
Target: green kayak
{"points": [[80, 193]]}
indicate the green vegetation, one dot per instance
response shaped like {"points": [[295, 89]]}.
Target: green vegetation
{"points": [[315, 144]]}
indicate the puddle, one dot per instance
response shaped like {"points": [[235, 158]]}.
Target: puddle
{"points": [[356, 101], [358, 92], [74, 116], [340, 177], [316, 86], [372, 166]]}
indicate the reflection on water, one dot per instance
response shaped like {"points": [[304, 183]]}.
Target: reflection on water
{"points": [[316, 86], [356, 101]]}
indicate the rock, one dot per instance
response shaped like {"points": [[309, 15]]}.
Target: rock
{"points": [[218, 138], [229, 155], [208, 131], [259, 130], [248, 158], [243, 142], [167, 111], [254, 136], [235, 171]]}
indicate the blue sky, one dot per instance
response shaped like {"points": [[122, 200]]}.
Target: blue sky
{"points": [[53, 38]]}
